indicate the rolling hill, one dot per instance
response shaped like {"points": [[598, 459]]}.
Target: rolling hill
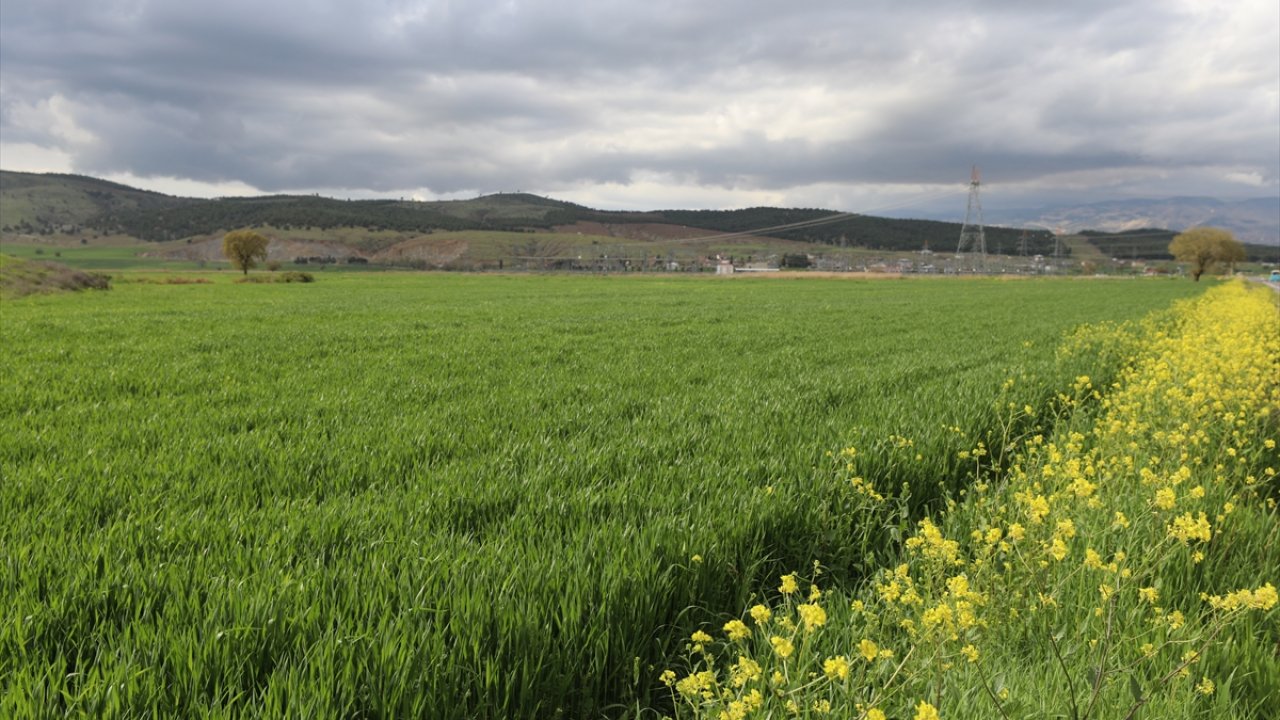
{"points": [[479, 231], [69, 204], [52, 202]]}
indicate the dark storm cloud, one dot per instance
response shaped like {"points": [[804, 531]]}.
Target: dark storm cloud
{"points": [[745, 96]]}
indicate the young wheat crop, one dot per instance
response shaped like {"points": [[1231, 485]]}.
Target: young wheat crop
{"points": [[463, 496]]}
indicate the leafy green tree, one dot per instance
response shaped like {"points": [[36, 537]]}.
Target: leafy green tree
{"points": [[244, 248], [1203, 247]]}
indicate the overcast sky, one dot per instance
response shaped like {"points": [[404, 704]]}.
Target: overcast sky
{"points": [[858, 105]]}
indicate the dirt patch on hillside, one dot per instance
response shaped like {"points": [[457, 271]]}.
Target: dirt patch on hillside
{"points": [[209, 249], [634, 231], [427, 250]]}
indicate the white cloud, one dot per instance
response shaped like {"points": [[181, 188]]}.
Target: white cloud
{"points": [[183, 187], [34, 158], [1251, 179]]}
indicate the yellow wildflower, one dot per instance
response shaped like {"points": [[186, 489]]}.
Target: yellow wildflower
{"points": [[1066, 528], [925, 711], [958, 586], [737, 710], [1205, 686], [930, 543], [1185, 528], [789, 585], [1037, 506], [836, 668], [782, 646], [889, 592], [737, 630], [1059, 549], [1082, 487], [868, 650], [1263, 598], [812, 615], [760, 614], [744, 671], [696, 683], [1092, 559], [938, 616]]}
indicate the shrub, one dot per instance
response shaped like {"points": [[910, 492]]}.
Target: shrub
{"points": [[20, 277]]}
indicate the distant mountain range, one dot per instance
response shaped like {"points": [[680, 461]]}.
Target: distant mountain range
{"points": [[1256, 220]]}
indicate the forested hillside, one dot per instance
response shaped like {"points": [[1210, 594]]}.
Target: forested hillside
{"points": [[1153, 244], [67, 203], [857, 230], [54, 202]]}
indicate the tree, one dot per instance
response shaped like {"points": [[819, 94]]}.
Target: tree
{"points": [[244, 248], [1205, 246]]}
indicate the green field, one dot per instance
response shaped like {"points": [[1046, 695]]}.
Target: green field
{"points": [[394, 495], [99, 256]]}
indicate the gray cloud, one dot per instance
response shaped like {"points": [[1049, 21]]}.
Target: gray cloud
{"points": [[751, 99]]}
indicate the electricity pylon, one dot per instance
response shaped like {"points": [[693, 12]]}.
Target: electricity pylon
{"points": [[972, 237]]}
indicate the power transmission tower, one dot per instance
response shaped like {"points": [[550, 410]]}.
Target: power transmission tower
{"points": [[972, 237], [1022, 244]]}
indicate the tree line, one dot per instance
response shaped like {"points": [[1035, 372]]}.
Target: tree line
{"points": [[515, 213]]}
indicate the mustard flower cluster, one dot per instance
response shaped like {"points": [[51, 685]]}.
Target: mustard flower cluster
{"points": [[1113, 515]]}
